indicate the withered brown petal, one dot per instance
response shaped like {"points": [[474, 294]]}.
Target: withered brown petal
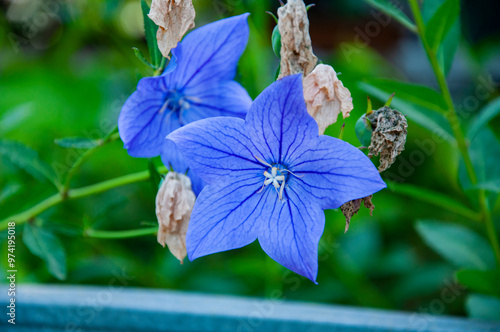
{"points": [[296, 50], [326, 97], [174, 18], [351, 208], [174, 203]]}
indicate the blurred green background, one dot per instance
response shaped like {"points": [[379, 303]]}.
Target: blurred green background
{"points": [[67, 67]]}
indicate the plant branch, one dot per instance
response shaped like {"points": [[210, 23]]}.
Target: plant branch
{"points": [[110, 137], [58, 198]]}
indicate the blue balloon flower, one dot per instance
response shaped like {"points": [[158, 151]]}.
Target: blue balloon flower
{"points": [[197, 84], [269, 178]]}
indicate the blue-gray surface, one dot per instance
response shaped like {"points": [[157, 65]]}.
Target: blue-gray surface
{"points": [[114, 308]]}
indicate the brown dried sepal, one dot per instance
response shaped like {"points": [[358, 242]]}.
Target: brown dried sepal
{"points": [[351, 208], [174, 203], [173, 18], [326, 97], [390, 128], [296, 50]]}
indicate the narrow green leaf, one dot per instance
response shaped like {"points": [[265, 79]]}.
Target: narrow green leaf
{"points": [[449, 46], [483, 307], [441, 22], [485, 116], [457, 244], [413, 108], [434, 198], [486, 282], [77, 143], [141, 57], [394, 11], [417, 94], [150, 29], [25, 158], [47, 246]]}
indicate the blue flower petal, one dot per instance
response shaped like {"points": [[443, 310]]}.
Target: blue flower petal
{"points": [[226, 98], [142, 127], [290, 234], [334, 172], [211, 53], [218, 149], [279, 122], [227, 217]]}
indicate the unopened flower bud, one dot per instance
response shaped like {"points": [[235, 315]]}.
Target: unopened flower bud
{"points": [[174, 203], [326, 97]]}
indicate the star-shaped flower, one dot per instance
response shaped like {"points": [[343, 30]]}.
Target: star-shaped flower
{"points": [[197, 84], [269, 178]]}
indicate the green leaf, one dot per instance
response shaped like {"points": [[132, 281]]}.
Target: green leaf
{"points": [[457, 244], [483, 307], [25, 158], [77, 143], [441, 22], [449, 46], [154, 176], [47, 246], [150, 29], [394, 11], [417, 94], [486, 282], [15, 117], [485, 115], [413, 106], [484, 150]]}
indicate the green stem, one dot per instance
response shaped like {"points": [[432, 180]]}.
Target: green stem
{"points": [[457, 130], [434, 198], [58, 198], [101, 234], [111, 136]]}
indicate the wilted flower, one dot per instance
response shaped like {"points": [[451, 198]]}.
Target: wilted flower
{"points": [[174, 203], [173, 18], [389, 135], [269, 178], [350, 208], [326, 97], [296, 50], [197, 84]]}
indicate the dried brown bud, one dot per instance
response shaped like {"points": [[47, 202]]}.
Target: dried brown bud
{"points": [[350, 208], [173, 18], [326, 97], [389, 135], [174, 203], [296, 50]]}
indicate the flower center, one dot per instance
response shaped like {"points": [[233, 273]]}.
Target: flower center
{"points": [[174, 101], [277, 175]]}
